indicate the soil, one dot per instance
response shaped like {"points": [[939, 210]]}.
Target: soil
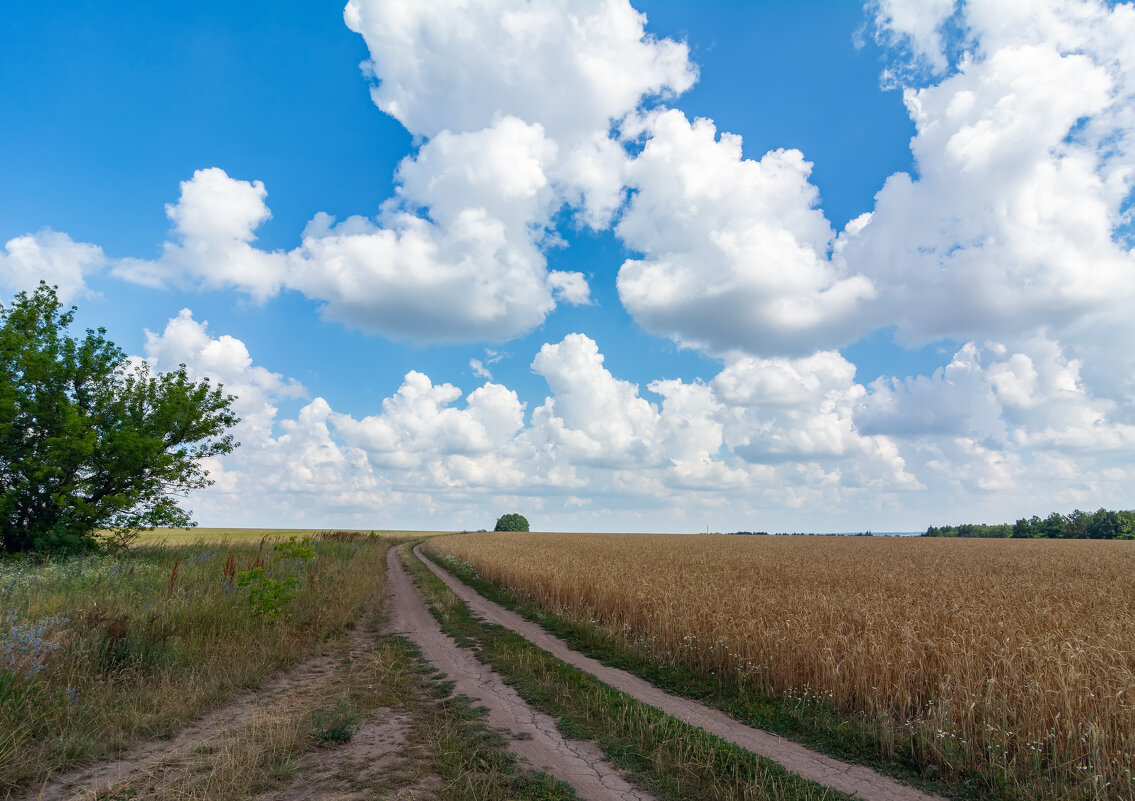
{"points": [[154, 757], [855, 780], [346, 772], [532, 734]]}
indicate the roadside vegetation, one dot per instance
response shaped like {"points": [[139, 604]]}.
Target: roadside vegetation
{"points": [[673, 760], [190, 536], [228, 670], [100, 650], [993, 669]]}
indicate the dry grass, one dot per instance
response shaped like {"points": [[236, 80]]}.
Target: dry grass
{"points": [[189, 536], [1015, 659], [100, 651]]}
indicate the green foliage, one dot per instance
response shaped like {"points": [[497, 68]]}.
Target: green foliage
{"points": [[512, 522], [90, 440], [335, 725], [268, 596], [1102, 524], [291, 549]]}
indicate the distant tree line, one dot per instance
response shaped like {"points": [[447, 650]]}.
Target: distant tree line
{"points": [[1103, 524], [798, 534]]}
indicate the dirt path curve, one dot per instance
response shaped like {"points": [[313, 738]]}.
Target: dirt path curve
{"points": [[579, 764], [855, 780], [149, 755]]}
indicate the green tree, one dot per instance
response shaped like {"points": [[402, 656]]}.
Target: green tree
{"points": [[1078, 523], [1055, 526], [512, 522], [90, 440], [1105, 525]]}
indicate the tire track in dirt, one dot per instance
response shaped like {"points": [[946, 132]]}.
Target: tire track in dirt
{"points": [[855, 780], [151, 756], [579, 764]]}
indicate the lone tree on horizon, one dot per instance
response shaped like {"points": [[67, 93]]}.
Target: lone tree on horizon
{"points": [[91, 440], [512, 522]]}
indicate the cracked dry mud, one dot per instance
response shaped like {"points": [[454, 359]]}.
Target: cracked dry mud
{"points": [[579, 764], [855, 780]]}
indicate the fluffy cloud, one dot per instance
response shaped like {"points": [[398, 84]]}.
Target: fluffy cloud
{"points": [[455, 66], [1012, 222], [958, 400], [52, 257], [592, 416], [215, 220], [774, 440], [1015, 235], [418, 423], [473, 268], [1018, 219], [802, 411], [917, 26], [735, 250], [285, 468], [225, 359], [514, 103]]}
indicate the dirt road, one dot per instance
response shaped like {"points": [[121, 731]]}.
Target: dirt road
{"points": [[855, 780], [148, 760], [535, 737]]}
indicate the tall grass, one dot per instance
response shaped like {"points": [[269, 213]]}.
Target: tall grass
{"points": [[1011, 659], [97, 651]]}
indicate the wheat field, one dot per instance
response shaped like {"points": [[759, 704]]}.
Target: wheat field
{"points": [[1012, 658]]}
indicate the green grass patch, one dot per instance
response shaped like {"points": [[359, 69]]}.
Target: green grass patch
{"points": [[335, 724], [451, 754]]}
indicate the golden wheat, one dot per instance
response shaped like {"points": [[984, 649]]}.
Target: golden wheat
{"points": [[1015, 658]]}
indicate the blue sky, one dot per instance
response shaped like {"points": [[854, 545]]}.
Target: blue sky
{"points": [[724, 338]]}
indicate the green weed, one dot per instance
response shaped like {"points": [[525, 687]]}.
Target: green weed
{"points": [[267, 595], [335, 725]]}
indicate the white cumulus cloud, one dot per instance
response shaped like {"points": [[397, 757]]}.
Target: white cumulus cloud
{"points": [[572, 66], [52, 257], [734, 250], [513, 103]]}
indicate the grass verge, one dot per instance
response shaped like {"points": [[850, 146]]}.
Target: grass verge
{"points": [[364, 715], [232, 536], [673, 760], [100, 651], [398, 734]]}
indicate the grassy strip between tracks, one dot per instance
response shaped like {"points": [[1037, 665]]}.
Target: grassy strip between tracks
{"points": [[673, 760]]}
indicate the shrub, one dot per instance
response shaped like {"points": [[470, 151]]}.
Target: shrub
{"points": [[512, 522], [267, 595]]}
